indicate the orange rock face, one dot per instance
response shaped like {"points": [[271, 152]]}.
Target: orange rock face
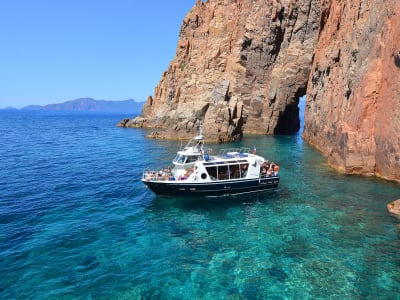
{"points": [[241, 66], [353, 96]]}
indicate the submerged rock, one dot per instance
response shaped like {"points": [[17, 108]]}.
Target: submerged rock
{"points": [[394, 208]]}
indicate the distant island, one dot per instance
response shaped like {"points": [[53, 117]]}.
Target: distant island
{"points": [[88, 105]]}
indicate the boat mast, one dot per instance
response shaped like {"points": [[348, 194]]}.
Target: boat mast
{"points": [[200, 136], [200, 129]]}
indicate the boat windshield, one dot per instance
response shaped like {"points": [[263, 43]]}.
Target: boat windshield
{"points": [[194, 158], [182, 159]]}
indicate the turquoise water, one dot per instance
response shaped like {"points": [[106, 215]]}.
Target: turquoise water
{"points": [[76, 222]]}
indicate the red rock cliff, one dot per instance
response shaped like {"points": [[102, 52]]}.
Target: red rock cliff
{"points": [[240, 67], [353, 96]]}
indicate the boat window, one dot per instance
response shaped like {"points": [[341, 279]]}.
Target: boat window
{"points": [[212, 172], [180, 159], [243, 169], [192, 158], [234, 171], [223, 172]]}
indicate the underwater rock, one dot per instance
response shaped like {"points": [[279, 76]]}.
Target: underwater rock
{"points": [[394, 208]]}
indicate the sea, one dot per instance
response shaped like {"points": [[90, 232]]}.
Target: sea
{"points": [[77, 223]]}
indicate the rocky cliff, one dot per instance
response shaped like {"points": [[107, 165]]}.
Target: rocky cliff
{"points": [[241, 66], [353, 96]]}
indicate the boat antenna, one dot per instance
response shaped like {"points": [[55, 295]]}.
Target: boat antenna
{"points": [[200, 129], [200, 136]]}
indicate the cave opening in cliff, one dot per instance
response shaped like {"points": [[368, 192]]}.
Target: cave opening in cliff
{"points": [[291, 121], [302, 107]]}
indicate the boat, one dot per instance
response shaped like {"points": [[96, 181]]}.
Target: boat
{"points": [[197, 172]]}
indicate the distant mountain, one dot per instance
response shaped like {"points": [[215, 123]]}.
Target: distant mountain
{"points": [[92, 105]]}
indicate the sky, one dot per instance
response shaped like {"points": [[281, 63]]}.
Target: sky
{"points": [[53, 51]]}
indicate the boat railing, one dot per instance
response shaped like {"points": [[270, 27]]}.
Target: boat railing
{"points": [[207, 151], [157, 175], [164, 174], [234, 152]]}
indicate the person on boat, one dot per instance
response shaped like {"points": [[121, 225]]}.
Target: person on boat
{"points": [[269, 172], [200, 146], [182, 177], [152, 175], [275, 168], [244, 170], [264, 169], [147, 176]]}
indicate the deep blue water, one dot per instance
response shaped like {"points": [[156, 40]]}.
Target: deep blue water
{"points": [[76, 222]]}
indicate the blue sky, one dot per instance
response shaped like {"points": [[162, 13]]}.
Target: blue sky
{"points": [[53, 51]]}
